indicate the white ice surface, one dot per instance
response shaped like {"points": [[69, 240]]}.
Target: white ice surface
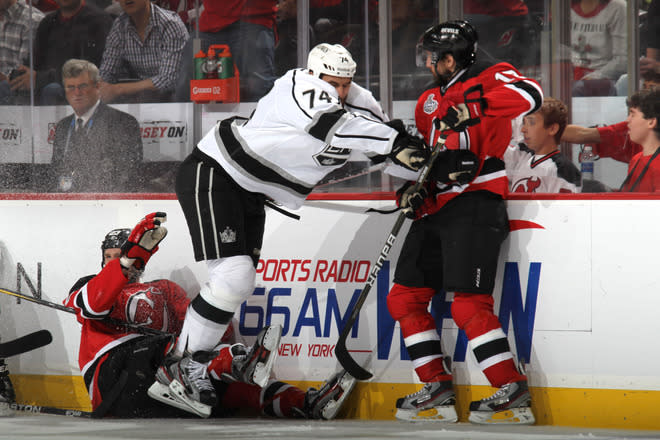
{"points": [[40, 427]]}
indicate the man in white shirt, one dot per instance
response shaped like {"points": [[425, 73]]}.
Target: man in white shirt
{"points": [[537, 165]]}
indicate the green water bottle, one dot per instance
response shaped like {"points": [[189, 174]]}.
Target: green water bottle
{"points": [[225, 62]]}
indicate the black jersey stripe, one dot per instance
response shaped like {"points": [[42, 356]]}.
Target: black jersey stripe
{"points": [[532, 91], [235, 152], [293, 95], [362, 136], [364, 109], [326, 124]]}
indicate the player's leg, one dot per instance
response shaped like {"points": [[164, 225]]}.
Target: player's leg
{"points": [[226, 227], [478, 226], [407, 302]]}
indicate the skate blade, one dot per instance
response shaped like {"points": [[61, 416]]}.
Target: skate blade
{"points": [[513, 416], [270, 342], [438, 414], [346, 384], [175, 396]]}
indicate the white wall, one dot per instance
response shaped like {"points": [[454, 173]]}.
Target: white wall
{"points": [[589, 265]]}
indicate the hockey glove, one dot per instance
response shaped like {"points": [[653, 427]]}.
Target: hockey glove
{"points": [[143, 241], [455, 166], [397, 124], [461, 116], [409, 151], [410, 200]]}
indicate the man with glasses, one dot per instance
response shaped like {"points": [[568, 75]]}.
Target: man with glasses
{"points": [[97, 148]]}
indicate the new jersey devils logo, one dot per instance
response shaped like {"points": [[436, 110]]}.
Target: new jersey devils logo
{"points": [[526, 185], [147, 307]]}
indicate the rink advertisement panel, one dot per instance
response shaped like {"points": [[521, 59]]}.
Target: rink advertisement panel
{"points": [[576, 292]]}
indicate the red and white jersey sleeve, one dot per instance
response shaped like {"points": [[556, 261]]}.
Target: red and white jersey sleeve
{"points": [[509, 96]]}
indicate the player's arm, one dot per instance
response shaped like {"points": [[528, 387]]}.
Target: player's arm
{"points": [[330, 123], [94, 299]]}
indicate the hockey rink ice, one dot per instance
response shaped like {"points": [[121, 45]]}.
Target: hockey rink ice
{"points": [[33, 427]]}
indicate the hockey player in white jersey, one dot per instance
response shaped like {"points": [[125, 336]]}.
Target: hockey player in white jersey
{"points": [[303, 129]]}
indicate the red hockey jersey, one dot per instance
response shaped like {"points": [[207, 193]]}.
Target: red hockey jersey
{"points": [[508, 95], [157, 304]]}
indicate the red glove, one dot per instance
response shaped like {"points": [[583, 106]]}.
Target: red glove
{"points": [[143, 241]]}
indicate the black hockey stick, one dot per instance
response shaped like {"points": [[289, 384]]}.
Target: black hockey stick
{"points": [[25, 343], [40, 409], [341, 352], [108, 320]]}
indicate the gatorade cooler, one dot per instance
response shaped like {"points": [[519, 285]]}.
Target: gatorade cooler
{"points": [[223, 89]]}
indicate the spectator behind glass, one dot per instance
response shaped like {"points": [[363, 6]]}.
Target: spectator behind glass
{"points": [[507, 30], [75, 30], [598, 46], [643, 128], [537, 165], [184, 8], [98, 148], [248, 28], [16, 20], [142, 54], [613, 140]]}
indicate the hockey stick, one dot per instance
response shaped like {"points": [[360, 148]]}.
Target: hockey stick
{"points": [[341, 352], [108, 320], [39, 409], [25, 343]]}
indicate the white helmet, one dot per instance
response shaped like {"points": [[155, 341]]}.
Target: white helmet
{"points": [[331, 59]]}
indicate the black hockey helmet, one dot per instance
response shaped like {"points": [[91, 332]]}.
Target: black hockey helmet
{"points": [[456, 37], [114, 239]]}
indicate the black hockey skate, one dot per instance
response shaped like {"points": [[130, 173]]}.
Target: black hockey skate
{"points": [[7, 395], [326, 402], [511, 404], [185, 384], [433, 403]]}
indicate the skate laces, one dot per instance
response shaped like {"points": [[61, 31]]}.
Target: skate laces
{"points": [[501, 393], [198, 375], [426, 389]]}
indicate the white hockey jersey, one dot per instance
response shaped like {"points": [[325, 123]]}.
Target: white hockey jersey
{"points": [[297, 135], [531, 173]]}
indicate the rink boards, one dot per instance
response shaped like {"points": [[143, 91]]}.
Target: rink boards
{"points": [[576, 292]]}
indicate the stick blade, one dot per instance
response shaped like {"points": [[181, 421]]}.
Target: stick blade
{"points": [[348, 363], [25, 343]]}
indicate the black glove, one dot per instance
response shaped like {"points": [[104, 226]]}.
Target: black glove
{"points": [[453, 166], [410, 151], [397, 124], [410, 199]]}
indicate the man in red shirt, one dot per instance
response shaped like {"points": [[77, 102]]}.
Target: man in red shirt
{"points": [[643, 129], [459, 226], [616, 140]]}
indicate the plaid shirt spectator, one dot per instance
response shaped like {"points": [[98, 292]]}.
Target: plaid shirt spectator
{"points": [[15, 25], [156, 58]]}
